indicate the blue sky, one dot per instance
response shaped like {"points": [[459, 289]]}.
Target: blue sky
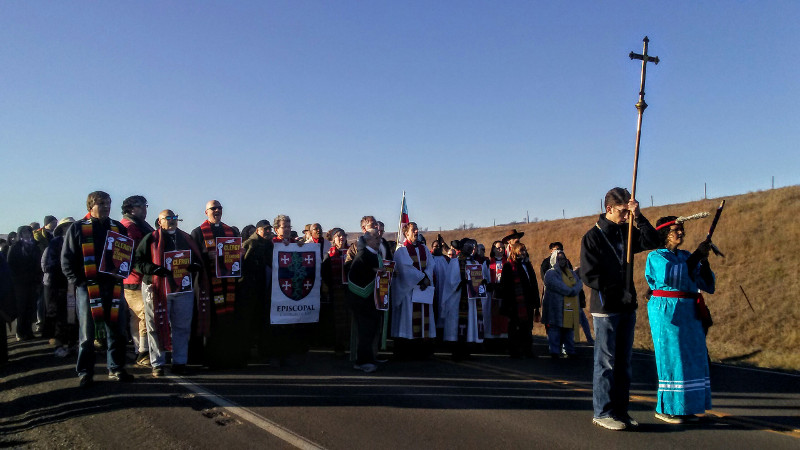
{"points": [[327, 111]]}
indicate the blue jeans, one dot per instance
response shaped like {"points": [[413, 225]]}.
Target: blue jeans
{"points": [[116, 339], [613, 347], [556, 336], [179, 310], [587, 330]]}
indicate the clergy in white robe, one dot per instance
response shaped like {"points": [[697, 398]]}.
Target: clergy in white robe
{"points": [[414, 268], [464, 316]]}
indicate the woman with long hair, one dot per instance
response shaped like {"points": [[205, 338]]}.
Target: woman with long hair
{"points": [[676, 277]]}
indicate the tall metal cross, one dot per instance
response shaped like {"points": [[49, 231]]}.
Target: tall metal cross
{"points": [[640, 106]]}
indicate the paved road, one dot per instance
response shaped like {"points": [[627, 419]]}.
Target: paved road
{"points": [[489, 400]]}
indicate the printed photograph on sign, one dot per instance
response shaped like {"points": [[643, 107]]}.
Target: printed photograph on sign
{"points": [[229, 257], [475, 286], [382, 282], [117, 255], [178, 262]]}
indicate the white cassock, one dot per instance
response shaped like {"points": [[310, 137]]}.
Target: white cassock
{"points": [[486, 304], [440, 275], [452, 297], [404, 280]]}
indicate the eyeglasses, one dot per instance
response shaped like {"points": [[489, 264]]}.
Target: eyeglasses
{"points": [[215, 208], [623, 211]]}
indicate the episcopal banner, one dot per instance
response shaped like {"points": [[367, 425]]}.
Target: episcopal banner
{"points": [[117, 255], [229, 257], [475, 286], [178, 263], [295, 283], [383, 281]]}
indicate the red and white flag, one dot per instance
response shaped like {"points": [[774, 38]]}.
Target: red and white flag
{"points": [[401, 239]]}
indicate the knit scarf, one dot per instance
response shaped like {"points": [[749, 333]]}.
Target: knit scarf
{"points": [[223, 291], [160, 291], [99, 313], [337, 259], [463, 304], [499, 321], [570, 318]]}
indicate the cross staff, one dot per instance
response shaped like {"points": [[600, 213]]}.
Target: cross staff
{"points": [[640, 106]]}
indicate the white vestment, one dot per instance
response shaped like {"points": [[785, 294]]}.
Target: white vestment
{"points": [[404, 280], [452, 297]]}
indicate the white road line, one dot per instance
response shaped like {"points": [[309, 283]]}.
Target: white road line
{"points": [[265, 424]]}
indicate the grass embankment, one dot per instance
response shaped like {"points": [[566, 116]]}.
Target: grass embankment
{"points": [[761, 242]]}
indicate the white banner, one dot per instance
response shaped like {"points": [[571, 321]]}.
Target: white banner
{"points": [[295, 283]]}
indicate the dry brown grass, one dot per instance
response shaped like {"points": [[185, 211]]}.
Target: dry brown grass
{"points": [[761, 243]]}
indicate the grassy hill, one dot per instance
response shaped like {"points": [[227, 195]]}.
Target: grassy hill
{"points": [[761, 243]]}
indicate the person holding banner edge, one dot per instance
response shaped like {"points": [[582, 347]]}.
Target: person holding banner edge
{"points": [[167, 307]]}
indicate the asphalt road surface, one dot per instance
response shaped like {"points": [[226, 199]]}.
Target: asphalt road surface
{"points": [[319, 401]]}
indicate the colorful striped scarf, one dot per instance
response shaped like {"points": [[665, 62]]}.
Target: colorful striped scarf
{"points": [[223, 291], [90, 269]]}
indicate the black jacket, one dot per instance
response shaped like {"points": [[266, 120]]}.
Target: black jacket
{"points": [[72, 253], [603, 266]]}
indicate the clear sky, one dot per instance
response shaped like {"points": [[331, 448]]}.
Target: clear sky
{"points": [[328, 110]]}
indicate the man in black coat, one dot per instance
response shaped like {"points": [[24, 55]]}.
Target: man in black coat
{"points": [[361, 300], [613, 303]]}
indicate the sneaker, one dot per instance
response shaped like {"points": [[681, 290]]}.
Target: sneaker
{"points": [[368, 367], [629, 421], [85, 380], [120, 375], [143, 359], [158, 372], [669, 418], [609, 423], [691, 418]]}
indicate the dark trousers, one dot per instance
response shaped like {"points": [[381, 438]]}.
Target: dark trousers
{"points": [[368, 320], [520, 340], [26, 295]]}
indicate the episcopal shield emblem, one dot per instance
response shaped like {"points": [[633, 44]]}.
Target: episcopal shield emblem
{"points": [[296, 273]]}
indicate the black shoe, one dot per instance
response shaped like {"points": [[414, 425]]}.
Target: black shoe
{"points": [[121, 376], [178, 369], [86, 381]]}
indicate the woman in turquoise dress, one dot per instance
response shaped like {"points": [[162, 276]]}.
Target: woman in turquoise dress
{"points": [[676, 276]]}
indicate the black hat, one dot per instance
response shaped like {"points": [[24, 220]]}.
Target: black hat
{"points": [[514, 235], [263, 223]]}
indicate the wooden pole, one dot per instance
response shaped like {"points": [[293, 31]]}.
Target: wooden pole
{"points": [[640, 106]]}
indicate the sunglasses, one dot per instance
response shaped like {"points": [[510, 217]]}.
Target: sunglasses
{"points": [[216, 208], [170, 217]]}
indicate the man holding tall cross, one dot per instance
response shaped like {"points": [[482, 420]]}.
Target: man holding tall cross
{"points": [[613, 303]]}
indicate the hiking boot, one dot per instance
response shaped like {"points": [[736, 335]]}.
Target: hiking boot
{"points": [[121, 376], [609, 423]]}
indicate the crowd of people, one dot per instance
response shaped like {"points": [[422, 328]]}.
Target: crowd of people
{"points": [[447, 296]]}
